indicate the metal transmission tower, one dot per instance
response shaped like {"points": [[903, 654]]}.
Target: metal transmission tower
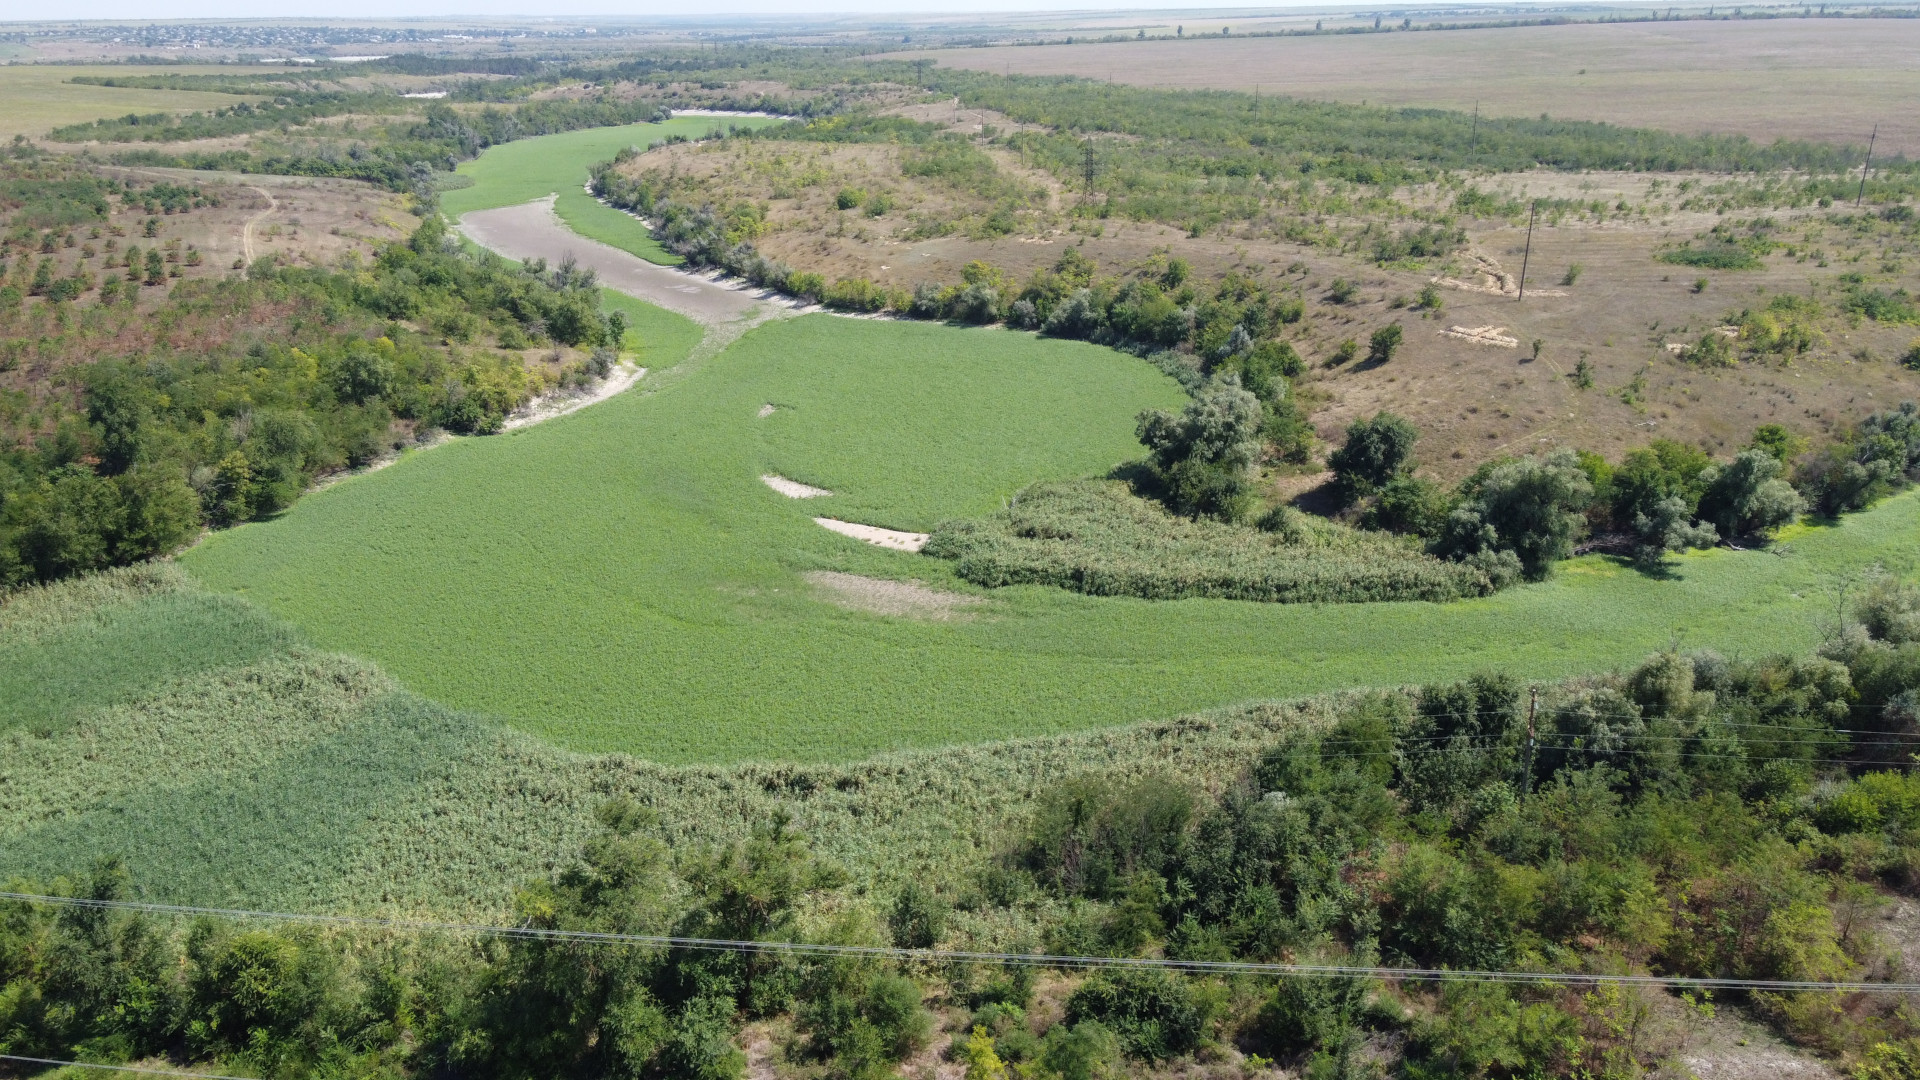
{"points": [[1088, 165]]}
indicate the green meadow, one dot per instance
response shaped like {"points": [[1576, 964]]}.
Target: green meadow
{"points": [[620, 579], [518, 172]]}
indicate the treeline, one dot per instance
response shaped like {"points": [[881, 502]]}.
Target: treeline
{"points": [[286, 109], [405, 156], [1696, 817], [237, 393], [1530, 512], [1513, 519]]}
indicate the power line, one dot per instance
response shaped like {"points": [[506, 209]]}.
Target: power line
{"points": [[122, 1068], [798, 948]]}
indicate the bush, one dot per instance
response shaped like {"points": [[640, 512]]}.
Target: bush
{"points": [[1713, 257], [918, 919], [1154, 1015]]}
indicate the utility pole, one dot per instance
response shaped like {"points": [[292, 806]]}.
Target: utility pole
{"points": [[1865, 165], [1089, 166], [1528, 256], [1526, 779], [1476, 125]]}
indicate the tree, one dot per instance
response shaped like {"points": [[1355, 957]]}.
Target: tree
{"points": [[1667, 526], [1383, 344], [1747, 496], [1204, 455], [1530, 506], [1375, 452]]}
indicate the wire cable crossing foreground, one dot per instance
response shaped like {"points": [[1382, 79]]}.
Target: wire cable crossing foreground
{"points": [[122, 1068], [798, 948]]}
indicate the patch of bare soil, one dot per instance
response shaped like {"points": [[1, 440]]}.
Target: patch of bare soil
{"points": [[1730, 1046], [901, 599], [793, 489], [562, 402], [892, 539]]}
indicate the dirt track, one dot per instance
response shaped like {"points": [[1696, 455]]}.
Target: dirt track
{"points": [[533, 231]]}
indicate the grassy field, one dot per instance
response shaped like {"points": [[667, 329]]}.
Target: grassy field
{"points": [[40, 98], [1820, 79], [529, 169], [621, 580], [297, 780]]}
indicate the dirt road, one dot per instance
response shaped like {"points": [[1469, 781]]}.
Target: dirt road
{"points": [[533, 231]]}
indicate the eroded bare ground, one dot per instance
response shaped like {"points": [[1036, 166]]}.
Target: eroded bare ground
{"points": [[901, 599], [533, 231]]}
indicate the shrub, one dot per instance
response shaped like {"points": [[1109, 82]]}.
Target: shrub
{"points": [[1409, 505], [918, 919], [1713, 257], [1154, 1015]]}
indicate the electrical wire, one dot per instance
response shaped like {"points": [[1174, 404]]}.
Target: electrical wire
{"points": [[798, 948], [122, 1068]]}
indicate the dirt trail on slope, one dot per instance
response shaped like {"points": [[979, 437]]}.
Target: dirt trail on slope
{"points": [[533, 231]]}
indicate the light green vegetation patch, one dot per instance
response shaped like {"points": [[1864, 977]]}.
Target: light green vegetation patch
{"points": [[41, 97], [518, 172], [306, 781], [109, 638], [621, 580]]}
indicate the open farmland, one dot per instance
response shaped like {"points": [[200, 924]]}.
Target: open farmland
{"points": [[632, 585], [1818, 79], [518, 172], [41, 98]]}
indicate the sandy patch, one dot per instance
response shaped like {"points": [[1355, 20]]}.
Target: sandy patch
{"points": [[873, 534], [1483, 335], [793, 489], [767, 410], [905, 599], [562, 402]]}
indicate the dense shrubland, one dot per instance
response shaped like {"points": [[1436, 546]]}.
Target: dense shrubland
{"points": [[1696, 816], [225, 403]]}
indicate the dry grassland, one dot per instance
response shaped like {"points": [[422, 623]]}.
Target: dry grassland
{"points": [[300, 220], [1821, 79], [1472, 395]]}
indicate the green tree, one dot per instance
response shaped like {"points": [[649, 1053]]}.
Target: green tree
{"points": [[1375, 452], [1747, 497], [1532, 506], [1204, 457], [1384, 343]]}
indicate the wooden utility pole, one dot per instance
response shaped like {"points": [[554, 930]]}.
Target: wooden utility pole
{"points": [[1476, 125], [1528, 256], [1865, 165], [1526, 776]]}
